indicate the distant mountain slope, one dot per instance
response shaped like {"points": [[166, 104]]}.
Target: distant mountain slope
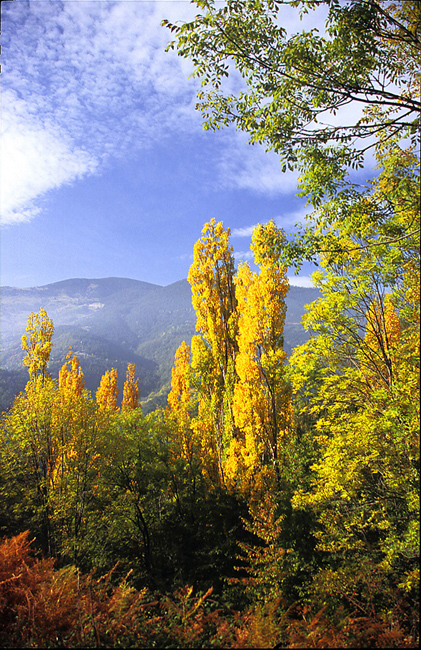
{"points": [[111, 321]]}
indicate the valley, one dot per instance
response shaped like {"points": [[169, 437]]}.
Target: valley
{"points": [[109, 322]]}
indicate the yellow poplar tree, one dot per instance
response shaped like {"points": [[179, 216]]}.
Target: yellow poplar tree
{"points": [[180, 394], [29, 457], [261, 402], [108, 391], [213, 295], [71, 379], [37, 344], [131, 389], [71, 384], [180, 402], [79, 434], [51, 443]]}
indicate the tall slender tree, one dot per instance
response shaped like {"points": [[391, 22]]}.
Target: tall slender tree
{"points": [[108, 391], [37, 344], [261, 400], [212, 280], [131, 389]]}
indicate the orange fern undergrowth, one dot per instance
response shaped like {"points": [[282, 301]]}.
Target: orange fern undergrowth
{"points": [[41, 607]]}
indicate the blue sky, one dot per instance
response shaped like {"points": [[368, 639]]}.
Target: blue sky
{"points": [[105, 169]]}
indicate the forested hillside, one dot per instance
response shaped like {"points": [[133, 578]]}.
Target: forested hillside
{"points": [[274, 500], [110, 322]]}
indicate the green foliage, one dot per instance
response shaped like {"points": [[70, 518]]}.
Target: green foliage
{"points": [[294, 89], [327, 554], [293, 83]]}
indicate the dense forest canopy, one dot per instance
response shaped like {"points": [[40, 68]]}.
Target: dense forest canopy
{"points": [[273, 502]]}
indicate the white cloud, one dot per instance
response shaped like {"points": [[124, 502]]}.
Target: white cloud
{"points": [[87, 81], [83, 81], [300, 281], [184, 257], [247, 231], [35, 159], [250, 167], [287, 220], [244, 255]]}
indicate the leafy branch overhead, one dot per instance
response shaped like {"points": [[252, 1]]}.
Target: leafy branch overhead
{"points": [[367, 52], [320, 98]]}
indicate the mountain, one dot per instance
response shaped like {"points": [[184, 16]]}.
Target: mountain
{"points": [[111, 321]]}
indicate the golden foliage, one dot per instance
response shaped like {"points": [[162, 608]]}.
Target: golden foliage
{"points": [[108, 391], [180, 394], [71, 378], [213, 295], [180, 403], [261, 403], [131, 389], [213, 353], [237, 361], [37, 343], [381, 343]]}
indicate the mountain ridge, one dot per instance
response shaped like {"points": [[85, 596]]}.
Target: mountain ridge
{"points": [[111, 321]]}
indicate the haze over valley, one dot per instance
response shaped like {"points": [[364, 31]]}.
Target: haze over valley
{"points": [[109, 322]]}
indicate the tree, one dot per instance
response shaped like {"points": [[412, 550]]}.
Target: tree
{"points": [[180, 394], [82, 432], [54, 447], [37, 344], [261, 401], [180, 404], [295, 84], [363, 369], [131, 389], [108, 391], [30, 451], [368, 56], [213, 352], [71, 378]]}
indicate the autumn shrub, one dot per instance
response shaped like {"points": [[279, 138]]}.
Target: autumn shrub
{"points": [[317, 630], [184, 620], [42, 607]]}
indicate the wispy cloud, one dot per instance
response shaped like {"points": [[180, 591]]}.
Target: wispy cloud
{"points": [[250, 167], [185, 257], [300, 281], [35, 159], [247, 231], [84, 81], [288, 219], [244, 255]]}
